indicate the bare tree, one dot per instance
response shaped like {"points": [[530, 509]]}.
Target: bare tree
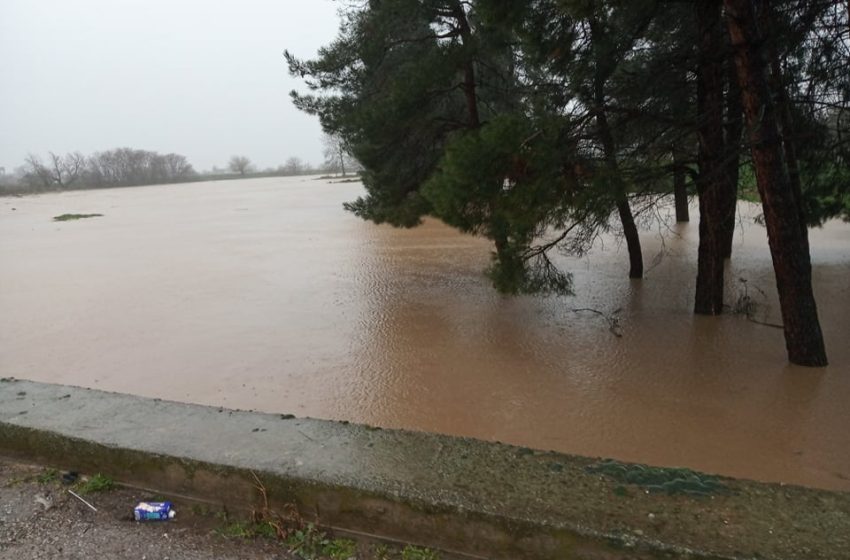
{"points": [[60, 171], [66, 169], [177, 167], [36, 174], [119, 167], [239, 164], [293, 166], [125, 167], [337, 154]]}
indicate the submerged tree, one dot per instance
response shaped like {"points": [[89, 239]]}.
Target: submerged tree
{"points": [[513, 194]]}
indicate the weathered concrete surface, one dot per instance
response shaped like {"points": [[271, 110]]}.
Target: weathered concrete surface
{"points": [[459, 494]]}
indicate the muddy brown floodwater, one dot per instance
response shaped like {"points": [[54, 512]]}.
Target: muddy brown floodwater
{"points": [[264, 294]]}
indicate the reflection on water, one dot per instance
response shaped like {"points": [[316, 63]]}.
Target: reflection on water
{"points": [[264, 294]]}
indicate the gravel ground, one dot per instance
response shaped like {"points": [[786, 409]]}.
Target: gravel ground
{"points": [[42, 520]]}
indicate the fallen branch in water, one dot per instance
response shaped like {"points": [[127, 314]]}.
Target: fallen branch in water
{"points": [[747, 306], [766, 324], [612, 319]]}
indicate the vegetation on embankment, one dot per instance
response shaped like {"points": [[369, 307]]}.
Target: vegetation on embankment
{"points": [[72, 217]]}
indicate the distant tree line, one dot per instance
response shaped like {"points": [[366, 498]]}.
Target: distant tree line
{"points": [[541, 123], [121, 167], [338, 160], [126, 167]]}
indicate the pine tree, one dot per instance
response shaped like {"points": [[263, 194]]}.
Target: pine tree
{"points": [[782, 205], [535, 122]]}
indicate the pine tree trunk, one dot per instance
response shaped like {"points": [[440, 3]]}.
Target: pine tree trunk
{"points": [[712, 184], [788, 247], [680, 191], [734, 129], [630, 231], [602, 71], [783, 110], [468, 68]]}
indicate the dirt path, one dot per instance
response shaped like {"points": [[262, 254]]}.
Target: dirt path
{"points": [[40, 519], [66, 528]]}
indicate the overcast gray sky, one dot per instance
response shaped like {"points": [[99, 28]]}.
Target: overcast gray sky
{"points": [[206, 79]]}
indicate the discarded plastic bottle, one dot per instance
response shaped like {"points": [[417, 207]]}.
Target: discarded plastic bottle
{"points": [[153, 511]]}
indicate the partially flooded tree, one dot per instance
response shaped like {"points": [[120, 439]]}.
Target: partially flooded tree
{"points": [[239, 164], [605, 53], [786, 230], [409, 86], [717, 192]]}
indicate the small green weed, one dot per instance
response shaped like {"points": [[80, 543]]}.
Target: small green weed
{"points": [[381, 552], [236, 530], [97, 483], [265, 529], [411, 552], [340, 549], [312, 544], [47, 476], [307, 542]]}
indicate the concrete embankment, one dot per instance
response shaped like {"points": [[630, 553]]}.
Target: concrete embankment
{"points": [[482, 499]]}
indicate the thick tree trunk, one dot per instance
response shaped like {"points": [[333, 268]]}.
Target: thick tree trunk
{"points": [[783, 110], [680, 191], [712, 183], [788, 247], [734, 128]]}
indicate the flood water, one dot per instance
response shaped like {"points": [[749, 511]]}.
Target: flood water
{"points": [[264, 294]]}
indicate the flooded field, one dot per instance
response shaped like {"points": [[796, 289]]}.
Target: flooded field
{"points": [[264, 294]]}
